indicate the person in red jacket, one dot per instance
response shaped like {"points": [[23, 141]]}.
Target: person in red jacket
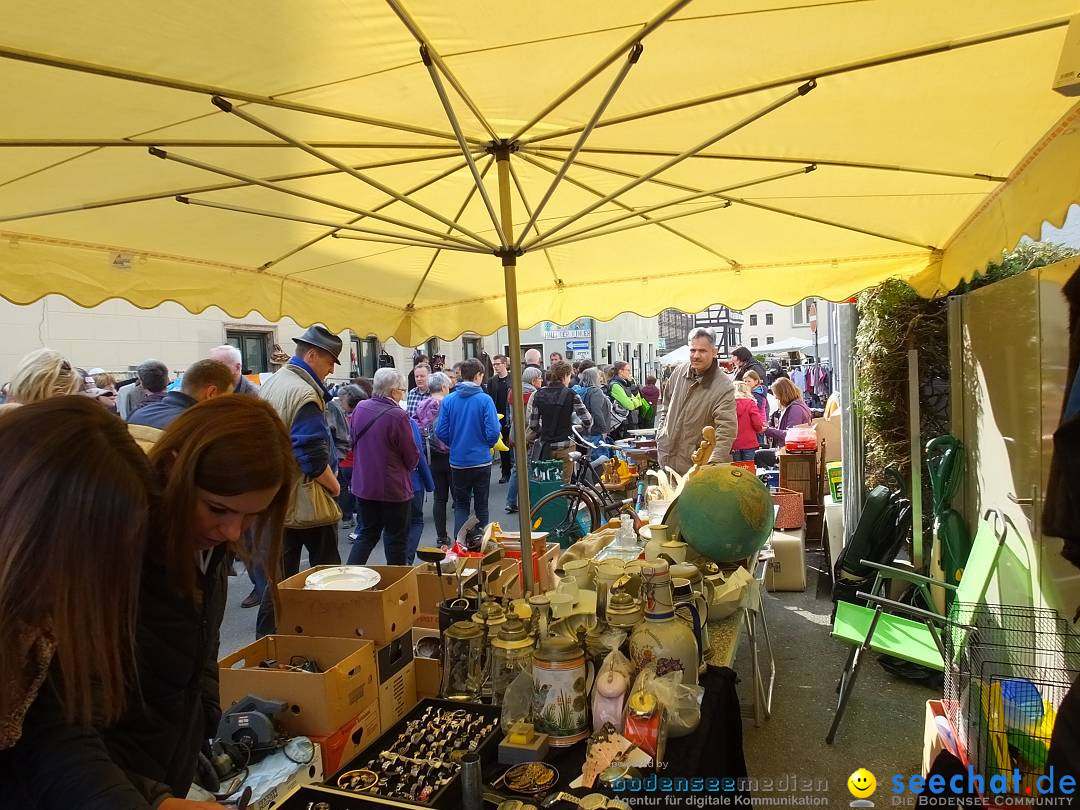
{"points": [[750, 423]]}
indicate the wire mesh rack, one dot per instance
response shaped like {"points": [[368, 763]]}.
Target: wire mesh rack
{"points": [[1007, 670]]}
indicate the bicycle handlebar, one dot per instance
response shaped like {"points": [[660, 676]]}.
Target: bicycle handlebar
{"points": [[576, 430]]}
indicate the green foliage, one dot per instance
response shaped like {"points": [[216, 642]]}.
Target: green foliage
{"points": [[894, 319]]}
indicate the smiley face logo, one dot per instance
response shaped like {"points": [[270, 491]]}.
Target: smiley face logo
{"points": [[861, 783]]}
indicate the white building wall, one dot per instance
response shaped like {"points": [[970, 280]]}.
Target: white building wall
{"points": [[784, 326], [640, 333], [117, 336]]}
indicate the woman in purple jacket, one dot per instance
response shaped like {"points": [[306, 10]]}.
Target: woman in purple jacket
{"points": [[384, 457], [795, 412]]}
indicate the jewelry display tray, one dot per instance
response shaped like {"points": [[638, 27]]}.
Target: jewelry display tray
{"points": [[447, 797]]}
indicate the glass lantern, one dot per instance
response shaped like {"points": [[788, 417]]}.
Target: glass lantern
{"points": [[463, 672], [511, 654]]}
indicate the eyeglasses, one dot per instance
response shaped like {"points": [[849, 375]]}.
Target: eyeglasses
{"points": [[402, 390]]}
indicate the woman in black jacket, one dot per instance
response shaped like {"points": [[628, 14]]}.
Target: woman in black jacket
{"points": [[225, 465]]}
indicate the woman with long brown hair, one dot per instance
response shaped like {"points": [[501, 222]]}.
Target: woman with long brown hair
{"points": [[74, 501], [224, 466]]}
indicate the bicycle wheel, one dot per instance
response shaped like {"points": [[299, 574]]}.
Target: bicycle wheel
{"points": [[567, 515]]}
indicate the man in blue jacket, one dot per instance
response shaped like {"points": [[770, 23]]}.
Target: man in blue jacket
{"points": [[469, 425]]}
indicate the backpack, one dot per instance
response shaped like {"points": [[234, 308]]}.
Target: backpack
{"points": [[621, 418]]}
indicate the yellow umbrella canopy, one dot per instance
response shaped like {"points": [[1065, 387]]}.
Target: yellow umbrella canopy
{"points": [[652, 155]]}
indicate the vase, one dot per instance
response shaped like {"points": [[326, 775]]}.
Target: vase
{"points": [[661, 639]]}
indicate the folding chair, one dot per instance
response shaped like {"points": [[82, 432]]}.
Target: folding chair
{"points": [[916, 639]]}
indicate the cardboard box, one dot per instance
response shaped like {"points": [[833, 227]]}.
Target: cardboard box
{"points": [[397, 679], [379, 614], [787, 571], [345, 744], [397, 696], [430, 593], [428, 670], [318, 703]]}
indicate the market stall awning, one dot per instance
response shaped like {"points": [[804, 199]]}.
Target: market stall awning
{"points": [[784, 346], [307, 158]]}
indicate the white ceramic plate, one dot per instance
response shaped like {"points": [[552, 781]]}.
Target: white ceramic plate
{"points": [[343, 578]]}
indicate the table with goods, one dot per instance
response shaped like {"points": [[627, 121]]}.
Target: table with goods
{"points": [[612, 677]]}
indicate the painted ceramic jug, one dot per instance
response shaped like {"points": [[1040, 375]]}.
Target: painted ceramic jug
{"points": [[662, 639], [560, 691]]}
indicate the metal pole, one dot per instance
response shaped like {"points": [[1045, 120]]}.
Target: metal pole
{"points": [[916, 461], [513, 329], [799, 92]]}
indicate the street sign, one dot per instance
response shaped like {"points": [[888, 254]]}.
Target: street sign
{"points": [[577, 345]]}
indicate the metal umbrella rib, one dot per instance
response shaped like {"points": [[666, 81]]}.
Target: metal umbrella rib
{"points": [[597, 193], [49, 60], [457, 216], [398, 239], [835, 70], [599, 68], [420, 186], [414, 29], [584, 233], [770, 208], [631, 60], [228, 107], [787, 98], [164, 195], [198, 164], [452, 117]]}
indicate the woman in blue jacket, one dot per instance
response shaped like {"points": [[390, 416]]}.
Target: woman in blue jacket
{"points": [[422, 483]]}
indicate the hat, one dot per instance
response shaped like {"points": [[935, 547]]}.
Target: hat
{"points": [[321, 338]]}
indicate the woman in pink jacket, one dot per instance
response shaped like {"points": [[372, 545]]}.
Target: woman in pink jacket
{"points": [[750, 423]]}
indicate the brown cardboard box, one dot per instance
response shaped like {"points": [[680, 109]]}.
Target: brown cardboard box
{"points": [[430, 594], [379, 614], [787, 572], [397, 696], [345, 744], [397, 679], [318, 703], [428, 670]]}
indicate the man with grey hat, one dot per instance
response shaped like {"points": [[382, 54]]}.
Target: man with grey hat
{"points": [[296, 391]]}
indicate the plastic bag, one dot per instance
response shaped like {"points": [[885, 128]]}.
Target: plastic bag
{"points": [[610, 689], [729, 594], [682, 702], [517, 702]]}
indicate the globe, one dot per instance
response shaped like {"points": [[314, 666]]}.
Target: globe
{"points": [[725, 513]]}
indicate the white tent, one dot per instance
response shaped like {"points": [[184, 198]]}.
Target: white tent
{"points": [[680, 355], [790, 345]]}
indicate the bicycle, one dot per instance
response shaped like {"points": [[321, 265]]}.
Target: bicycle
{"points": [[584, 504]]}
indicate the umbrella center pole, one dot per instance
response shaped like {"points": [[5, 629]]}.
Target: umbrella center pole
{"points": [[501, 150]]}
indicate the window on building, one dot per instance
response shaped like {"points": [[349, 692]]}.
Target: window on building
{"points": [[768, 341], [798, 315], [753, 343], [753, 320], [431, 348], [365, 359], [471, 347], [768, 319], [253, 349]]}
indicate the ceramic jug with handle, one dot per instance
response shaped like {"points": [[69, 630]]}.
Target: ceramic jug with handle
{"points": [[662, 639], [561, 684]]}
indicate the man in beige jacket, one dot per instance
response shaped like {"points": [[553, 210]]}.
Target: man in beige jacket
{"points": [[697, 394]]}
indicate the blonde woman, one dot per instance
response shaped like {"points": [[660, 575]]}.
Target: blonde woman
{"points": [[750, 423], [43, 374]]}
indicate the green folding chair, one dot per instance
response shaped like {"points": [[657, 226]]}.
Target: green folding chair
{"points": [[916, 635]]}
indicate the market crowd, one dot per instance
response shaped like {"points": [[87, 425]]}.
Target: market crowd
{"points": [[111, 696]]}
